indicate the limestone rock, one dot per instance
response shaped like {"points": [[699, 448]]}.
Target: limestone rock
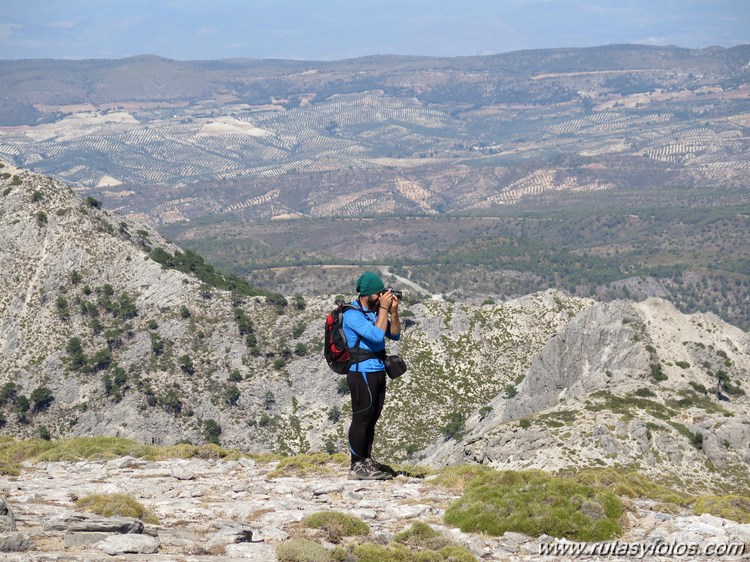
{"points": [[7, 519], [128, 544], [82, 523], [15, 542], [595, 350], [230, 535]]}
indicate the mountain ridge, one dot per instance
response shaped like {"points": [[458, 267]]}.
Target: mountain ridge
{"points": [[101, 334]]}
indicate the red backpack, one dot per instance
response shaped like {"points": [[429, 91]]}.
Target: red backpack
{"points": [[338, 354]]}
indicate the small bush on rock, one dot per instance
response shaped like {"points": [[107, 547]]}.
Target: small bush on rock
{"points": [[116, 505], [421, 535], [302, 550], [337, 524]]}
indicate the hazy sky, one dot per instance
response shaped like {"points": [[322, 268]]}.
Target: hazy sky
{"points": [[337, 29]]}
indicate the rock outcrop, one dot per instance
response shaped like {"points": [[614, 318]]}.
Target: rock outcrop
{"points": [[600, 348], [628, 385]]}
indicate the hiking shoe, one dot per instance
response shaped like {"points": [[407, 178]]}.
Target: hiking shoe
{"points": [[361, 471], [372, 464]]}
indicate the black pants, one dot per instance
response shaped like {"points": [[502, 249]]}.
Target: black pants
{"points": [[368, 397]]}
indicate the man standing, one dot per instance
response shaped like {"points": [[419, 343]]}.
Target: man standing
{"points": [[374, 318]]}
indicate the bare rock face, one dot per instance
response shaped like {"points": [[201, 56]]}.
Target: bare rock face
{"points": [[128, 544], [600, 348], [627, 385]]}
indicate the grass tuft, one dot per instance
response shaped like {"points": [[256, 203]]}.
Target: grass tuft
{"points": [[303, 465], [736, 508], [629, 484], [535, 503], [422, 536], [337, 525], [456, 478], [302, 550], [117, 505]]}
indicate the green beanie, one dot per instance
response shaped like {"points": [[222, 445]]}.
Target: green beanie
{"points": [[369, 283]]}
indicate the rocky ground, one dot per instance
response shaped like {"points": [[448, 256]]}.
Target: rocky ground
{"points": [[219, 510]]}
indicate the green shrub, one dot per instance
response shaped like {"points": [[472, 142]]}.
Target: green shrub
{"points": [[8, 391], [337, 524], [101, 360], [334, 413], [421, 535], [93, 202], [41, 399], [43, 432], [697, 440], [369, 552], [657, 373], [342, 387], [116, 505], [736, 508], [157, 344], [302, 550], [186, 364], [211, 431], [535, 503], [298, 329], [231, 395], [76, 357], [455, 425]]}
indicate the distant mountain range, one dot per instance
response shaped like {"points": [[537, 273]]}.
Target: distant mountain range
{"points": [[278, 139]]}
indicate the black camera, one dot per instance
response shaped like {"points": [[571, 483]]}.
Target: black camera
{"points": [[397, 294]]}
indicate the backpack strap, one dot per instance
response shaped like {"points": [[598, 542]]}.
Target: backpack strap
{"points": [[357, 353]]}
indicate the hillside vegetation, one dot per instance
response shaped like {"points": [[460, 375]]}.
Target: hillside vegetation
{"points": [[674, 244], [108, 329]]}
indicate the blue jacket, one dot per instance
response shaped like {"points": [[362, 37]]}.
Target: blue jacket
{"points": [[357, 324]]}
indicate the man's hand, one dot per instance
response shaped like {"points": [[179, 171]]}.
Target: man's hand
{"points": [[394, 302], [386, 300]]}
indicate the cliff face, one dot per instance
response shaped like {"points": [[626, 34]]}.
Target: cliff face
{"points": [[631, 385], [101, 333], [124, 345]]}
